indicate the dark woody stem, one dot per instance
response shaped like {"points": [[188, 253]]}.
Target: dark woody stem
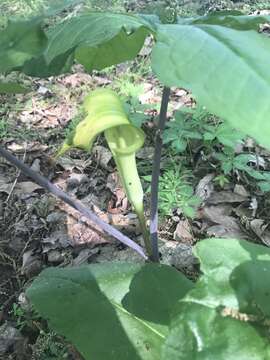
{"points": [[46, 184], [155, 175]]}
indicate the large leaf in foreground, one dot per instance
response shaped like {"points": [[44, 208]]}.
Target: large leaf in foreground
{"points": [[86, 305], [19, 42], [221, 318], [96, 40], [227, 71], [202, 333], [236, 274]]}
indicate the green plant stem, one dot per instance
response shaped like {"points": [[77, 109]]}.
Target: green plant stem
{"points": [[127, 169], [46, 184], [155, 175], [145, 232]]}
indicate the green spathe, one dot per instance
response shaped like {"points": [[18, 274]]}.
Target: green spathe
{"points": [[105, 113]]}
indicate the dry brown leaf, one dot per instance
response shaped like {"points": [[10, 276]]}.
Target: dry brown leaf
{"points": [[205, 187], [102, 156], [128, 222], [226, 232], [84, 256], [241, 190], [183, 232], [25, 187], [225, 197], [80, 230], [260, 229], [178, 255], [225, 225], [31, 264], [215, 213], [45, 116], [30, 147], [120, 203], [70, 164], [57, 239], [76, 79], [243, 210]]}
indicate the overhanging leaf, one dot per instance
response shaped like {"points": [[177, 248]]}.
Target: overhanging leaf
{"points": [[235, 274], [226, 69], [202, 333], [86, 306], [97, 57], [148, 284], [20, 42], [96, 40]]}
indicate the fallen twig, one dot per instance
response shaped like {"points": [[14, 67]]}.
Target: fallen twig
{"points": [[46, 184]]}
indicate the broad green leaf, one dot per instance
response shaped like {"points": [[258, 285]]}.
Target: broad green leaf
{"points": [[20, 42], [12, 88], [93, 307], [96, 40], [250, 282], [198, 332], [148, 284], [111, 52], [227, 71], [235, 274]]}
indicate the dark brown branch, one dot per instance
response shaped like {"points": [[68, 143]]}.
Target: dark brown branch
{"points": [[155, 175], [46, 184]]}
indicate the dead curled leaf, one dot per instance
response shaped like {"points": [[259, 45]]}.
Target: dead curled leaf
{"points": [[21, 188], [102, 156], [120, 203], [259, 227], [221, 224], [205, 187], [80, 230], [183, 232], [226, 232], [32, 263], [21, 148], [226, 197], [241, 190]]}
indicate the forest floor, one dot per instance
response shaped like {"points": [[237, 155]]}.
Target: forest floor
{"points": [[199, 198]]}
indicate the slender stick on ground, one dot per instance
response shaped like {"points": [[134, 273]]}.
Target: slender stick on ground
{"points": [[155, 175], [46, 184]]}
